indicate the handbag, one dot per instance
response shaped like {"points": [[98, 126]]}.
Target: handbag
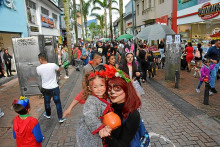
{"points": [[197, 53], [83, 57]]}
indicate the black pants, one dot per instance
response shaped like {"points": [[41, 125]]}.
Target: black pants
{"points": [[1, 71], [8, 69]]}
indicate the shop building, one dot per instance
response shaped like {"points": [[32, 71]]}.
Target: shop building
{"points": [[149, 12], [199, 21], [12, 24], [43, 17]]}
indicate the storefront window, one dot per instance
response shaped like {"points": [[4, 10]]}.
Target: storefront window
{"points": [[31, 11], [44, 11], [200, 32]]}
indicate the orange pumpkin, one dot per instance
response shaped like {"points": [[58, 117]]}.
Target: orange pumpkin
{"points": [[112, 120], [206, 79]]}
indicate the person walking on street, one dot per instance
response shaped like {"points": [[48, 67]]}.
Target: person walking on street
{"points": [[7, 58], [65, 62], [76, 56], [189, 55], [50, 88], [214, 55], [1, 69], [198, 55]]}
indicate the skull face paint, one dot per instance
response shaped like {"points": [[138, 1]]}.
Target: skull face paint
{"points": [[116, 93]]}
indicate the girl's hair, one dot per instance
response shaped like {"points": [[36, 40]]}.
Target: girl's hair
{"points": [[189, 43], [132, 101], [108, 57], [86, 89], [21, 109], [206, 61]]}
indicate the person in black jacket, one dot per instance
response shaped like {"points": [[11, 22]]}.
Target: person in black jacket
{"points": [[1, 69], [130, 66], [7, 57], [125, 103]]}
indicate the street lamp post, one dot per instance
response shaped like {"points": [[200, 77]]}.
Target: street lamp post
{"points": [[132, 16]]}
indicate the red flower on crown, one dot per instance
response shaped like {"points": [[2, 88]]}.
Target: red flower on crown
{"points": [[110, 71], [97, 73]]}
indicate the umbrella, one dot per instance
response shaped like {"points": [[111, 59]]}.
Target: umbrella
{"points": [[124, 36], [154, 32], [104, 39]]}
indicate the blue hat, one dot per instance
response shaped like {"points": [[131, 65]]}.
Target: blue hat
{"points": [[24, 101]]}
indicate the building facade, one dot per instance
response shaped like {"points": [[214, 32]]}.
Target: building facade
{"points": [[43, 17], [199, 21], [13, 24], [149, 12], [128, 18]]}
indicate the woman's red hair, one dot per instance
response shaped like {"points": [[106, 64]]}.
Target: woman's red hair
{"points": [[132, 101]]}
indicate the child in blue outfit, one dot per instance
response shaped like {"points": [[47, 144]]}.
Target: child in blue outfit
{"points": [[26, 129]]}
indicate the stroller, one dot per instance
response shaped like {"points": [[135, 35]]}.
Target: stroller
{"points": [[183, 61]]}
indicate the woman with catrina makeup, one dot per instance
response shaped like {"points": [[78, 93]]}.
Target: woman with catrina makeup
{"points": [[125, 103]]}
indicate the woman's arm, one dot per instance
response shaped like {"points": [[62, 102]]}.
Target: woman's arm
{"points": [[122, 136]]}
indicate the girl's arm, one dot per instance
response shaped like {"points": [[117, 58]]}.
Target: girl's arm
{"points": [[76, 100], [212, 66]]}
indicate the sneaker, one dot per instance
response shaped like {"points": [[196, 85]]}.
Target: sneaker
{"points": [[1, 114], [198, 90], [62, 120], [210, 93], [66, 77], [214, 90], [45, 115]]}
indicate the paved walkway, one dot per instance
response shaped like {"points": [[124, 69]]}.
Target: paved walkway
{"points": [[167, 125], [169, 119]]}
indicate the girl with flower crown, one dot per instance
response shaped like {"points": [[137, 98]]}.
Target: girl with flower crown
{"points": [[90, 127]]}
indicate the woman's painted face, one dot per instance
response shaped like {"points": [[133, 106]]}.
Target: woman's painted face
{"points": [[129, 58], [116, 93], [112, 60]]}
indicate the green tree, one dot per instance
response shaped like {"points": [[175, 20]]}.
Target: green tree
{"points": [[93, 29], [67, 22], [101, 20], [85, 12], [75, 19]]}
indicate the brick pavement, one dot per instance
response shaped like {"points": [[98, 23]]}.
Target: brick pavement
{"points": [[10, 91], [187, 86], [160, 117]]}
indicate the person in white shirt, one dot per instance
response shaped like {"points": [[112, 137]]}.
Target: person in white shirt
{"points": [[50, 88]]}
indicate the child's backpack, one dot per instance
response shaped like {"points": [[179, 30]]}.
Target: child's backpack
{"points": [[75, 54], [141, 138]]}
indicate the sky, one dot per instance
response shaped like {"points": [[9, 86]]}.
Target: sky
{"points": [[115, 14]]}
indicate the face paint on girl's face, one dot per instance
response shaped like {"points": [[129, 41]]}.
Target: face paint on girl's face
{"points": [[116, 93], [129, 58]]}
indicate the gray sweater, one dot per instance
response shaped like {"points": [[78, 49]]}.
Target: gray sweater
{"points": [[92, 110]]}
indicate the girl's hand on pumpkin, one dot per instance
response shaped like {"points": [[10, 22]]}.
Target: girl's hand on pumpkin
{"points": [[105, 132]]}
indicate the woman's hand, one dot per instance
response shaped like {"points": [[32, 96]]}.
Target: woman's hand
{"points": [[105, 132], [138, 74]]}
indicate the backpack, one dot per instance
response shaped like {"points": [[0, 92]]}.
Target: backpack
{"points": [[141, 138], [197, 53], [75, 54]]}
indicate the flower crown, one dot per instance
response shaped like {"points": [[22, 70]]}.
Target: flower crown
{"points": [[24, 101], [97, 73], [111, 72]]}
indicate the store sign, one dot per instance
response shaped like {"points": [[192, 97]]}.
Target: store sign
{"points": [[162, 20], [34, 29], [129, 24], [47, 22], [209, 11], [8, 3]]}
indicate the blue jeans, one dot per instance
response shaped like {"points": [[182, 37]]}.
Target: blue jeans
{"points": [[55, 93], [200, 84], [161, 52], [213, 75]]}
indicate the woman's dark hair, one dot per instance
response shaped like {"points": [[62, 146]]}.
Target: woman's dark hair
{"points": [[189, 43], [199, 45], [20, 109]]}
